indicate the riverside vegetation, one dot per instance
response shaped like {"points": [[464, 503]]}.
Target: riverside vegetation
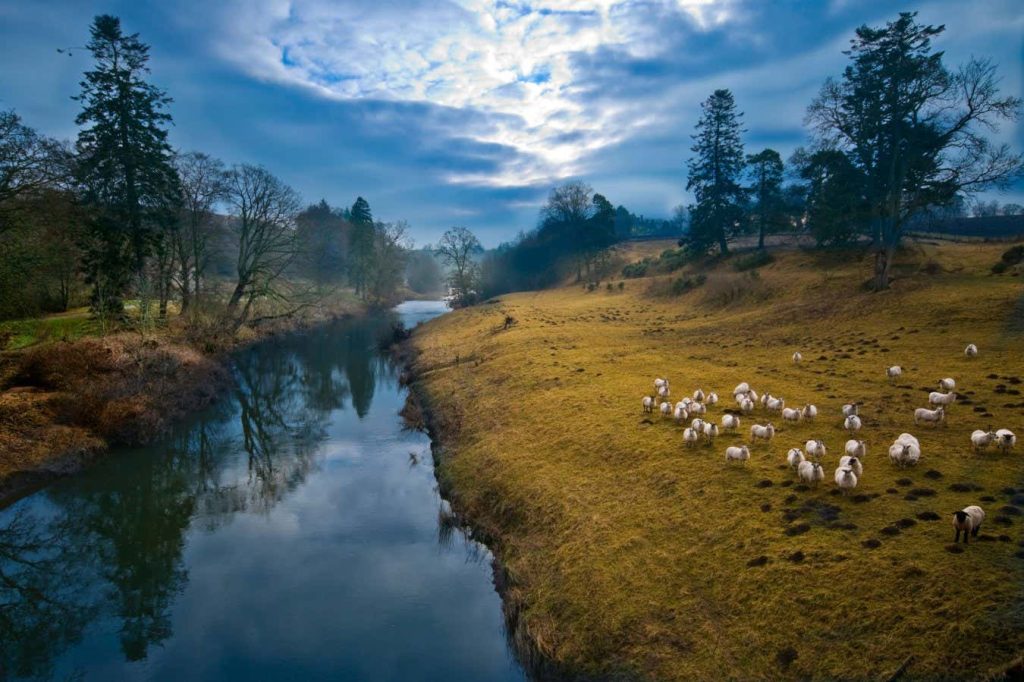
{"points": [[627, 553]]}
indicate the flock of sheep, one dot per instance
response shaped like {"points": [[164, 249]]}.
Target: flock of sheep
{"points": [[905, 450]]}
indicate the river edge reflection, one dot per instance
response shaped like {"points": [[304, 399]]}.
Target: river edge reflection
{"points": [[291, 531]]}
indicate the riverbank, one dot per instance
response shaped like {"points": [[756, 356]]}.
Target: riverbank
{"points": [[63, 404], [626, 554]]}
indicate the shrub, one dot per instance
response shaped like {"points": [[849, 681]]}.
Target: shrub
{"points": [[638, 269], [1012, 256], [752, 260]]}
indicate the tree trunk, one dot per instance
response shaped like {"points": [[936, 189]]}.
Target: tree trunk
{"points": [[883, 266], [760, 237], [723, 245], [236, 296]]}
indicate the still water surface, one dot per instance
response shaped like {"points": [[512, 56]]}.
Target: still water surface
{"points": [[290, 532]]}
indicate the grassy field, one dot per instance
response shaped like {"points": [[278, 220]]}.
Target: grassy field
{"points": [[69, 326], [629, 554]]}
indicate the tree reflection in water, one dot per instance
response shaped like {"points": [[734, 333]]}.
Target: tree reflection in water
{"points": [[108, 546]]}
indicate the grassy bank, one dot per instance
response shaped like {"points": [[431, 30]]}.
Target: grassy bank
{"points": [[627, 553]]}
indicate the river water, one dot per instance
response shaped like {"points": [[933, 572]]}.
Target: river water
{"points": [[289, 532]]}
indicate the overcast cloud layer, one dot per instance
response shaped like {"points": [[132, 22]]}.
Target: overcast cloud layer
{"points": [[468, 111]]}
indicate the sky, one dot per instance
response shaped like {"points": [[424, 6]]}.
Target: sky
{"points": [[467, 112]]}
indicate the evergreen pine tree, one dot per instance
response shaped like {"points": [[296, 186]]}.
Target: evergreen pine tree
{"points": [[766, 171], [360, 244]]}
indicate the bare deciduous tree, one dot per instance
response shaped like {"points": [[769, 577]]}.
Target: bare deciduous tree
{"points": [[203, 186], [456, 249]]}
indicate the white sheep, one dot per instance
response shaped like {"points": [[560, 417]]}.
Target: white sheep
{"points": [[690, 436], [698, 408], [663, 392], [947, 384], [794, 457], [698, 395], [815, 448], [904, 454], [1006, 439], [907, 439], [765, 432], [648, 403], [680, 414], [854, 463], [810, 411], [936, 398], [968, 520], [894, 372], [810, 472], [982, 439], [752, 394], [971, 351], [856, 448], [737, 454], [852, 423], [697, 425], [712, 398], [923, 414], [764, 399], [797, 358], [659, 382], [730, 421], [775, 404], [741, 389], [846, 479], [851, 409], [666, 409], [710, 430], [791, 415], [747, 406]]}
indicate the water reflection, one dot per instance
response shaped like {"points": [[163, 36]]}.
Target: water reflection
{"points": [[100, 571]]}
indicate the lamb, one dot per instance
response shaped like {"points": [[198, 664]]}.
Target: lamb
{"points": [[846, 479], [1006, 439], [710, 430], [947, 384], [810, 472], [730, 421], [971, 351], [680, 414], [851, 409], [690, 436], [923, 414], [741, 389], [775, 404], [791, 415], [810, 411], [852, 462], [856, 448], [797, 358], [698, 395], [737, 454], [968, 520], [795, 457], [894, 372], [852, 423], [712, 398], [766, 432], [936, 398], [747, 406], [982, 439], [815, 448], [666, 409], [648, 403]]}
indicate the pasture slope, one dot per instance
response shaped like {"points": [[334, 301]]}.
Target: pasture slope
{"points": [[627, 555]]}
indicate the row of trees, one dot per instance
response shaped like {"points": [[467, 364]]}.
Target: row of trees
{"points": [[121, 213], [896, 135]]}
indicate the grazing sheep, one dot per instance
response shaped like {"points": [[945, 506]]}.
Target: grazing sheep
{"points": [[737, 454], [968, 520], [852, 423], [856, 448], [851, 409], [846, 479], [698, 408], [797, 358], [947, 384], [730, 421], [648, 403], [712, 398], [936, 398], [659, 382], [690, 436], [698, 395], [710, 430], [663, 392], [810, 472], [894, 372], [1006, 439], [747, 406], [666, 409], [854, 463], [697, 425], [904, 454], [766, 432], [971, 351], [794, 457], [810, 411], [815, 448], [775, 404], [680, 414], [741, 389], [791, 415], [982, 439], [923, 414]]}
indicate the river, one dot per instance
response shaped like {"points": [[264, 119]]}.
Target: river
{"points": [[289, 532]]}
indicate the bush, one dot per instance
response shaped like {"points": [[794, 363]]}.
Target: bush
{"points": [[1010, 257], [673, 259], [638, 269], [753, 260]]}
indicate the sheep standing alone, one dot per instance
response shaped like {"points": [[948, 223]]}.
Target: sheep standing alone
{"points": [[810, 411], [856, 448], [730, 421], [815, 448], [852, 423], [737, 454], [968, 520], [791, 415], [923, 414], [854, 463], [810, 472], [666, 409], [712, 398], [765, 432], [971, 351], [698, 395], [648, 403], [851, 409], [947, 384], [936, 398], [846, 479], [794, 457], [894, 372], [1006, 439], [797, 358]]}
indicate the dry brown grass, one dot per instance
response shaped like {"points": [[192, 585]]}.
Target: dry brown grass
{"points": [[626, 553]]}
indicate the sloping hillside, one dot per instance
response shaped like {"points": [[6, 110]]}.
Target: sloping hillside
{"points": [[628, 552]]}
